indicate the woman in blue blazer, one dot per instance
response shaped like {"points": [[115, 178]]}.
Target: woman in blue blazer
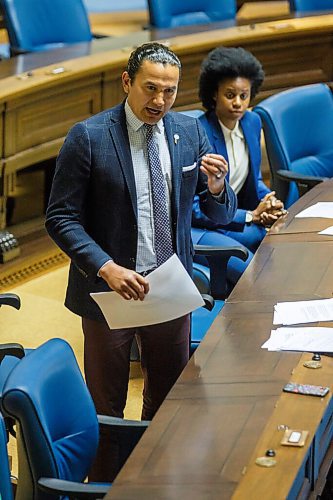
{"points": [[229, 79]]}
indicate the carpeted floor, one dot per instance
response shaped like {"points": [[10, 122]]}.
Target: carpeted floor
{"points": [[43, 316]]}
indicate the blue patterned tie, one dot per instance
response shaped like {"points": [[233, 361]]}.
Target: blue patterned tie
{"points": [[163, 238]]}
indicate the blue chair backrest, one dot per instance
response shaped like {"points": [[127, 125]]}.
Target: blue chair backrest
{"points": [[310, 5], [6, 492], [57, 428], [112, 6], [298, 126], [34, 25], [173, 13]]}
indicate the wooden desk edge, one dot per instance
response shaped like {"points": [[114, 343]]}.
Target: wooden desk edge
{"points": [[258, 481]]}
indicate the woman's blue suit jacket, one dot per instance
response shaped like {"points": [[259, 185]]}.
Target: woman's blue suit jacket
{"points": [[254, 188], [92, 212]]}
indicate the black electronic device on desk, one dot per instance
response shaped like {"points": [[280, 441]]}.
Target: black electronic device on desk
{"points": [[9, 247]]}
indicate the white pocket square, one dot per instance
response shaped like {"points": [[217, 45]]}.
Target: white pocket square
{"points": [[189, 167]]}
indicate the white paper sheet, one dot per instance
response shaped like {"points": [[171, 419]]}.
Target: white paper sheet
{"points": [[306, 339], [320, 209], [328, 231], [303, 311], [172, 294]]}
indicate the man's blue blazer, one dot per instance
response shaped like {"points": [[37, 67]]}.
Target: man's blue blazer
{"points": [[254, 188], [92, 212]]}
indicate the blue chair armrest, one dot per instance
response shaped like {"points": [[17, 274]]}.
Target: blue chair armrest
{"points": [[10, 299], [116, 422], [209, 301], [100, 35], [17, 51], [218, 257], [15, 350], [72, 489], [219, 251], [304, 182]]}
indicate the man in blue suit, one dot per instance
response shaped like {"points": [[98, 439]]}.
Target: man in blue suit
{"points": [[101, 213], [229, 79]]}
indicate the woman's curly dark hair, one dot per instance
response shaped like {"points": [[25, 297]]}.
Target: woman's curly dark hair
{"points": [[228, 62]]}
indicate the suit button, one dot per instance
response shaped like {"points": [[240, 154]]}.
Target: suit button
{"points": [[132, 259]]}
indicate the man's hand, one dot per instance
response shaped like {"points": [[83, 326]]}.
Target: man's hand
{"points": [[216, 168], [128, 283]]}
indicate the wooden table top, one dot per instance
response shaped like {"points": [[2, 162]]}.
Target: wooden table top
{"points": [[225, 409]]}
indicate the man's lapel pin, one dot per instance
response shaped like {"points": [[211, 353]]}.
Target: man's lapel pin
{"points": [[176, 138]]}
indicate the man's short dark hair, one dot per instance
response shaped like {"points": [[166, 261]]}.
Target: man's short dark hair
{"points": [[153, 52], [228, 62]]}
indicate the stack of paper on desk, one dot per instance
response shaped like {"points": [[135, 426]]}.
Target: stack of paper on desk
{"points": [[309, 339], [312, 339], [303, 311], [328, 231]]}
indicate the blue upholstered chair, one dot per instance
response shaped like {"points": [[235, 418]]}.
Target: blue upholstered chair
{"points": [[57, 425], [36, 25], [173, 13], [211, 282], [298, 126], [6, 492], [310, 5], [10, 354]]}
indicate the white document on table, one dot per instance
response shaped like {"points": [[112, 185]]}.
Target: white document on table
{"points": [[306, 339], [303, 311], [172, 294], [328, 231], [321, 209]]}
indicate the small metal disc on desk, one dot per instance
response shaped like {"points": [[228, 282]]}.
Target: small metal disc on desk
{"points": [[312, 364], [266, 461]]}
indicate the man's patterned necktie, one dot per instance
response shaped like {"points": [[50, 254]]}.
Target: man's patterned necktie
{"points": [[163, 238]]}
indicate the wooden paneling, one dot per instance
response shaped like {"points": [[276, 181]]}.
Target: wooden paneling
{"points": [[113, 92], [46, 115], [294, 61]]}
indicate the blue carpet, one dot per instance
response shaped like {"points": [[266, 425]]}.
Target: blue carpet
{"points": [[113, 5]]}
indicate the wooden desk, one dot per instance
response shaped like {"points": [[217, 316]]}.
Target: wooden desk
{"points": [[264, 9], [38, 107], [225, 409]]}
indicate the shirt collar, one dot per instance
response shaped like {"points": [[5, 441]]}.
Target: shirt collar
{"points": [[236, 132], [134, 122]]}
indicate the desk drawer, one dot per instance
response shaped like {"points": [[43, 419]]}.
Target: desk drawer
{"points": [[45, 116]]}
